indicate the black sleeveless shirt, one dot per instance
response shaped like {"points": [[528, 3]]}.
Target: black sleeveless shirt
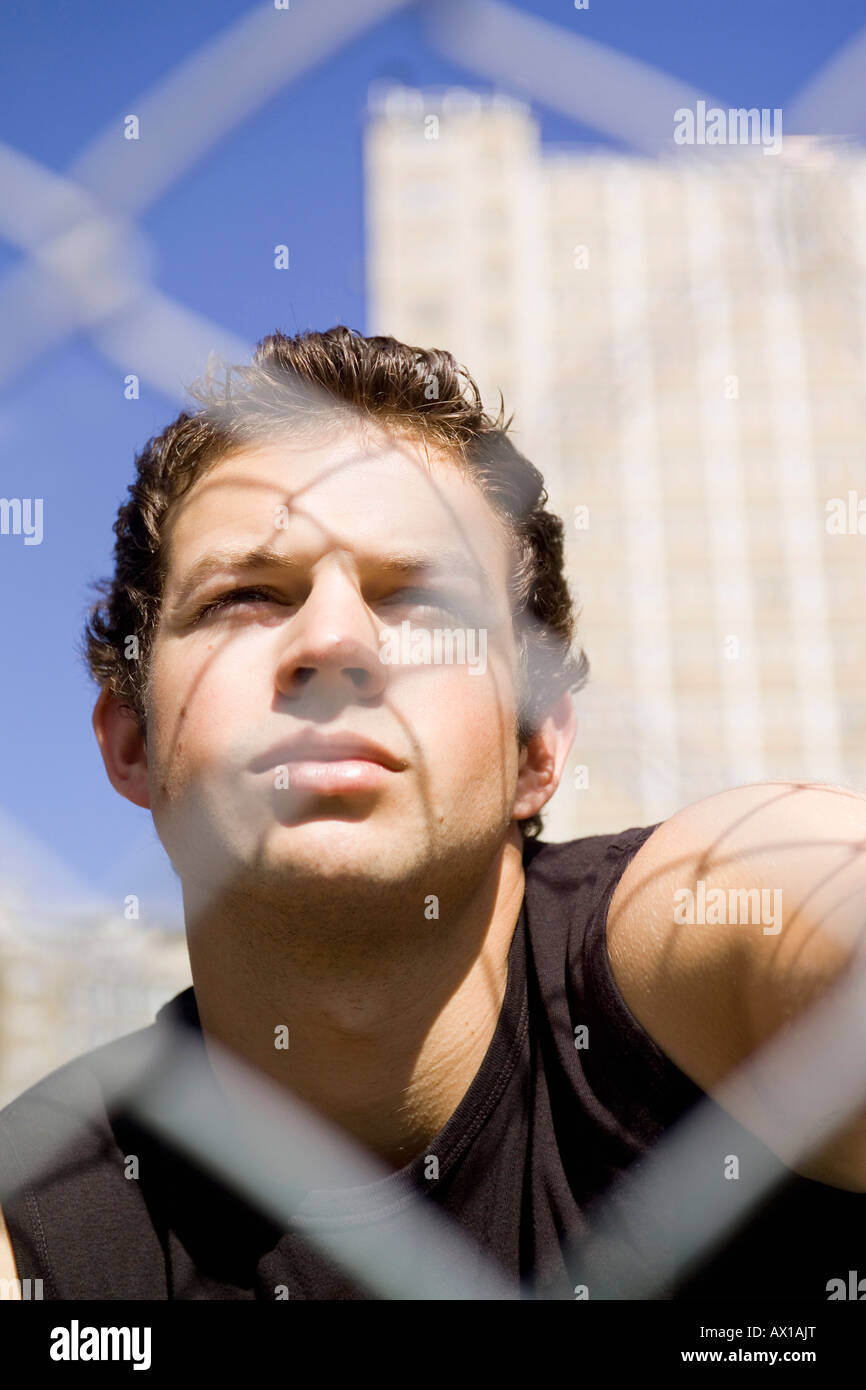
{"points": [[551, 1119]]}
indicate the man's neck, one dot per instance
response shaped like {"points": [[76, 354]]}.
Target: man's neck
{"points": [[380, 1021]]}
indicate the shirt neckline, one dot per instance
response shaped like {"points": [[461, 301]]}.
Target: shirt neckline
{"points": [[320, 1207]]}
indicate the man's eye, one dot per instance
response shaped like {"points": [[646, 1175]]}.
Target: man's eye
{"points": [[418, 601], [228, 600], [427, 600]]}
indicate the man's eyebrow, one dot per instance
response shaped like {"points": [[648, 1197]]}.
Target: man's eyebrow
{"points": [[445, 564], [222, 561], [442, 564]]}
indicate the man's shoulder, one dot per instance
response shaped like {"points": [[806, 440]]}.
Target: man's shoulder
{"points": [[74, 1220], [74, 1102], [583, 856], [596, 843]]}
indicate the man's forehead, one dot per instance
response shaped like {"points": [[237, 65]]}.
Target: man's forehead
{"points": [[330, 468], [381, 496]]}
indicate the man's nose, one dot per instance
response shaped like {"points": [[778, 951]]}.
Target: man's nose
{"points": [[332, 643]]}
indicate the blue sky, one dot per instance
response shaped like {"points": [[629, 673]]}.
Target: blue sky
{"points": [[290, 173]]}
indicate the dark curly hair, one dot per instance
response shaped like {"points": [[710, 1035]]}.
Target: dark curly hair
{"points": [[420, 394]]}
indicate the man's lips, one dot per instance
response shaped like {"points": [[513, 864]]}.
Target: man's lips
{"points": [[339, 750], [336, 775]]}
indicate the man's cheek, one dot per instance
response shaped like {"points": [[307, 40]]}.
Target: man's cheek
{"points": [[483, 706], [480, 739]]}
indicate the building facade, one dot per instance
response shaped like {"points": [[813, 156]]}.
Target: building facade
{"points": [[67, 988], [683, 346]]}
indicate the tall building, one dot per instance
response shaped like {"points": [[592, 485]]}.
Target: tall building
{"points": [[683, 345]]}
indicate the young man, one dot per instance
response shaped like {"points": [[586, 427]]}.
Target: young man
{"points": [[336, 665]]}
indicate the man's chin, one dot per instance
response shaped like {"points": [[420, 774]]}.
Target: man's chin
{"points": [[321, 846]]}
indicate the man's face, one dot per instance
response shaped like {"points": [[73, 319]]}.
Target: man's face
{"points": [[364, 536]]}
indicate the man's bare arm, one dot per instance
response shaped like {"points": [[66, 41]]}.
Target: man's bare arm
{"points": [[10, 1289], [791, 859]]}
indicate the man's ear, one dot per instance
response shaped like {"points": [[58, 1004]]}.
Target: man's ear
{"points": [[543, 759], [123, 749]]}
